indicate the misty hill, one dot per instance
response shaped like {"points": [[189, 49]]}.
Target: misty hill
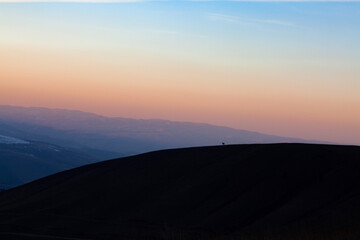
{"points": [[122, 135], [22, 161], [220, 190]]}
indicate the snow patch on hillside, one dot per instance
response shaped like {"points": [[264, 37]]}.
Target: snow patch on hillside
{"points": [[11, 140]]}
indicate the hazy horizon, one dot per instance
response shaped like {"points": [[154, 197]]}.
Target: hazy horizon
{"points": [[26, 113], [281, 68]]}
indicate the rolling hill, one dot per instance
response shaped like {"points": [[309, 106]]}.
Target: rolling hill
{"points": [[297, 189], [22, 161]]}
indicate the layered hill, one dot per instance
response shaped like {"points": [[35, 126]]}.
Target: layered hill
{"points": [[226, 190], [22, 161], [123, 135]]}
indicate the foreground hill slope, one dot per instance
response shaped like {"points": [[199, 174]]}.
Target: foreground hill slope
{"points": [[222, 189]]}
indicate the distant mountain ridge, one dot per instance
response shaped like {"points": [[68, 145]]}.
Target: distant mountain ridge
{"points": [[123, 135]]}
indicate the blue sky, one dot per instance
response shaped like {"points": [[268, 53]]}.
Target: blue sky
{"points": [[290, 68]]}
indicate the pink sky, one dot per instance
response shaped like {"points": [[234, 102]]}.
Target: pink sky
{"points": [[285, 76]]}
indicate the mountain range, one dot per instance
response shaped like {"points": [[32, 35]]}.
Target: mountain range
{"points": [[36, 142], [120, 135]]}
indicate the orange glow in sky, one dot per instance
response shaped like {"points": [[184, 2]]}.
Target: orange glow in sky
{"points": [[259, 75]]}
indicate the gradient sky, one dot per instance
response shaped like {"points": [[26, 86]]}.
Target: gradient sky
{"points": [[284, 68]]}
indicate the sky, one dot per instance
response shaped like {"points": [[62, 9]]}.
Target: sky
{"points": [[284, 68]]}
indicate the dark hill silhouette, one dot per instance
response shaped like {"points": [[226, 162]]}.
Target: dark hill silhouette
{"points": [[222, 190]]}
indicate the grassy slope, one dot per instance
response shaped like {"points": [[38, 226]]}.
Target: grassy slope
{"points": [[275, 188]]}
